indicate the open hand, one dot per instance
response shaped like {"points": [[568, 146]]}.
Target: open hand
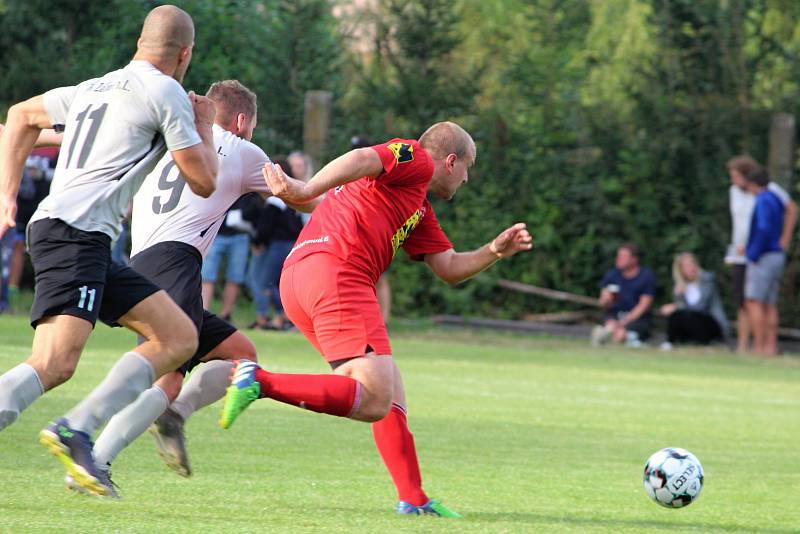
{"points": [[512, 240], [285, 187]]}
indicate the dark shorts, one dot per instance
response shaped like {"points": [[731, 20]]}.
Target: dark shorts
{"points": [[738, 276], [75, 275], [175, 267]]}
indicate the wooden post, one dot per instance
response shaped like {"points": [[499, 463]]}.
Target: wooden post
{"points": [[781, 149], [316, 125]]}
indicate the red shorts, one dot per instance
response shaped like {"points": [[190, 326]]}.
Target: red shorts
{"points": [[335, 307]]}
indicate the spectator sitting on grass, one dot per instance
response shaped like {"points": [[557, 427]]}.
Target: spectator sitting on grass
{"points": [[696, 316], [626, 294]]}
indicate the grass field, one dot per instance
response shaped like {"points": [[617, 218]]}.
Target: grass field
{"points": [[518, 434]]}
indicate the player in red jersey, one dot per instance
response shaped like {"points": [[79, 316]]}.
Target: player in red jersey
{"points": [[376, 203]]}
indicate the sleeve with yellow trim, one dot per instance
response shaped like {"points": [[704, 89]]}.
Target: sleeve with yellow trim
{"points": [[403, 161], [427, 237]]}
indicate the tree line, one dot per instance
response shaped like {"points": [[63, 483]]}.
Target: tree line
{"points": [[596, 122]]}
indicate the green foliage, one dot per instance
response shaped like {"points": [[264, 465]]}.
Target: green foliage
{"points": [[596, 122]]}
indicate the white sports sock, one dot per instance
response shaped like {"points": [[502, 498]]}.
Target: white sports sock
{"points": [[131, 375], [19, 387], [129, 424], [206, 385]]}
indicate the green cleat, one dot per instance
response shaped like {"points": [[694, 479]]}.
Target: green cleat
{"points": [[243, 390], [429, 508]]}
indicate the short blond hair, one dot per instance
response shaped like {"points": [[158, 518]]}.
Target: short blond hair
{"points": [[445, 138], [231, 97]]}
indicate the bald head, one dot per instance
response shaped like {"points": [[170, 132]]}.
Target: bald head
{"points": [[445, 138], [166, 30], [453, 152]]}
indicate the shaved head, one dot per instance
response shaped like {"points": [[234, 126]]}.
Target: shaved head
{"points": [[453, 152], [166, 30], [445, 138]]}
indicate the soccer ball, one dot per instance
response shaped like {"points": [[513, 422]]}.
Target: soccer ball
{"points": [[673, 477]]}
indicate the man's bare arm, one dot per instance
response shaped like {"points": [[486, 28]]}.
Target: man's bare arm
{"points": [[455, 267], [199, 163], [49, 137], [346, 168], [23, 125], [644, 304]]}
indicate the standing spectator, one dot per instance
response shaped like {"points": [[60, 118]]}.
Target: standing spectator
{"points": [[742, 203], [33, 189], [765, 261], [696, 316], [300, 166], [232, 244], [627, 293], [276, 229], [279, 225], [257, 268]]}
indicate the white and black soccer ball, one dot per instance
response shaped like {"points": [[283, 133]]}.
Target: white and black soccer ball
{"points": [[673, 477]]}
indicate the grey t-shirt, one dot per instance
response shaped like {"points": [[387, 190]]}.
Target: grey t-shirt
{"points": [[165, 209], [116, 128]]}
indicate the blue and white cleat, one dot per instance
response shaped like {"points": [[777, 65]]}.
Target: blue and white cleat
{"points": [[244, 389], [73, 449], [431, 507]]}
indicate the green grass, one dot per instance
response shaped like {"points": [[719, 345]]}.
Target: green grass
{"points": [[518, 434]]}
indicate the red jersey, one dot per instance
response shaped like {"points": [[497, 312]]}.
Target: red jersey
{"points": [[364, 222]]}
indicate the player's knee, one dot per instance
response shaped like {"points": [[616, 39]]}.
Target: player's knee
{"points": [[55, 368], [182, 340], [59, 372], [375, 406], [247, 350]]}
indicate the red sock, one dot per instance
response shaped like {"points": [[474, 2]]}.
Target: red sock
{"points": [[331, 394], [396, 445]]}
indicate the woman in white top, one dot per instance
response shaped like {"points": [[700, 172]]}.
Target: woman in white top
{"points": [[696, 316]]}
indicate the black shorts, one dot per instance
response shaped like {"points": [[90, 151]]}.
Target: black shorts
{"points": [[75, 275], [175, 267], [738, 276]]}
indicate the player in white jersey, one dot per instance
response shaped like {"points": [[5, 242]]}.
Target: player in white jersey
{"points": [[116, 128], [172, 229]]}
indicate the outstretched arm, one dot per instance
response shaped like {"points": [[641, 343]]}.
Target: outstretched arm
{"points": [[455, 267], [346, 168], [23, 124]]}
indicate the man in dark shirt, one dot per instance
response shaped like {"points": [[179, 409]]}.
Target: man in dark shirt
{"points": [[626, 293]]}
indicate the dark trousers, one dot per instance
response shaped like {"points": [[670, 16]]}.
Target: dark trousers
{"points": [[689, 326]]}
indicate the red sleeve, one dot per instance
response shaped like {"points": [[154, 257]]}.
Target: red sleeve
{"points": [[428, 236], [404, 161]]}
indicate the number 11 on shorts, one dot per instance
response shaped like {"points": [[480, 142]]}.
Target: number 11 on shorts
{"points": [[82, 302]]}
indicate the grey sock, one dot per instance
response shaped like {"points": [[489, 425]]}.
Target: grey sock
{"points": [[129, 424], [206, 385], [19, 387], [131, 375]]}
